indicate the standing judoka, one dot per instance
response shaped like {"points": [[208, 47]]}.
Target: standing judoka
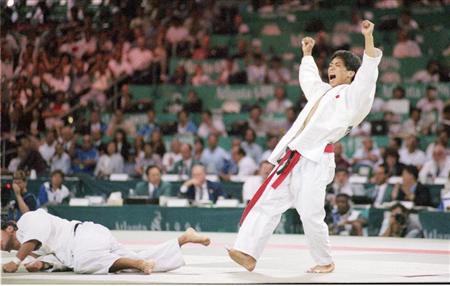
{"points": [[88, 248], [304, 159]]}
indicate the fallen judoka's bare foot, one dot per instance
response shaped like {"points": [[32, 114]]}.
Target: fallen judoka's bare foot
{"points": [[146, 266], [192, 236], [242, 259], [322, 268]]}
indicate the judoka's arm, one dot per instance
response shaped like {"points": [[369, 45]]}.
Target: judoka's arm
{"points": [[361, 92], [308, 73], [49, 263], [24, 250]]}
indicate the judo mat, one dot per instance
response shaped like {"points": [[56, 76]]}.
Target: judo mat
{"points": [[285, 260]]}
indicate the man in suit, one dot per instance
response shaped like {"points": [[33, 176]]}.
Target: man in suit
{"points": [[200, 190], [154, 187], [184, 166], [382, 191]]}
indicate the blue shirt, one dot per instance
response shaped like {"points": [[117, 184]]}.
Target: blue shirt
{"points": [[30, 200], [82, 155], [214, 160], [147, 130]]}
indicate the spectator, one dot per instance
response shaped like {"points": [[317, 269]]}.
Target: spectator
{"points": [[340, 185], [54, 192], [95, 124], [280, 103], [277, 74], [194, 104], [55, 111], [177, 33], [256, 123], [32, 159], [122, 145], [214, 156], [239, 27], [15, 162], [411, 154], [85, 157], [147, 158], [442, 139], [120, 66], [250, 147], [437, 167], [174, 155], [179, 76], [271, 143], [67, 139], [368, 155], [429, 75], [184, 165], [210, 125], [400, 224], [199, 147], [398, 104], [158, 143], [431, 103], [24, 201], [109, 163], [257, 71], [391, 162], [60, 160], [382, 191], [240, 165], [230, 73], [199, 190], [185, 126], [147, 129], [445, 122], [154, 187], [406, 22], [345, 220], [291, 116], [406, 47], [47, 149], [200, 78], [410, 189], [140, 57], [416, 124], [252, 184], [118, 121], [341, 160]]}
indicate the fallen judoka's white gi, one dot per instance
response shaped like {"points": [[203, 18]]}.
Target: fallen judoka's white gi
{"points": [[91, 248], [304, 159]]}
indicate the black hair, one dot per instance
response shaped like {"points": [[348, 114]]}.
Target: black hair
{"points": [[392, 152], [411, 169], [57, 172], [151, 167], [12, 223], [431, 87], [351, 61], [241, 151], [343, 195], [399, 205]]}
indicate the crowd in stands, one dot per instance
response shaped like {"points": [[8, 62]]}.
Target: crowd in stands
{"points": [[59, 77]]}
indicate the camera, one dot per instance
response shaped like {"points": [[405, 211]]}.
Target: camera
{"points": [[400, 219]]}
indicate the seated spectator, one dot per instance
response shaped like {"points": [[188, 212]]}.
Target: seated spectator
{"points": [[239, 27], [400, 224], [431, 103], [444, 125], [230, 73], [410, 189], [345, 220], [122, 145], [86, 157], [214, 157], [140, 57], [194, 104], [54, 192], [341, 160], [340, 185], [210, 125], [187, 161], [185, 126], [119, 65], [382, 191], [416, 124], [170, 158], [67, 138], [147, 158], [154, 187], [95, 123], [253, 183], [280, 103], [240, 165], [411, 154], [257, 71], [199, 147], [47, 149], [109, 163], [398, 103], [32, 159], [429, 75], [118, 121], [157, 143], [406, 22], [277, 74], [15, 162], [437, 167], [198, 190], [179, 76], [256, 123], [368, 155], [406, 47], [60, 160], [391, 162], [23, 201], [147, 129], [250, 147], [55, 111], [271, 143], [200, 78], [442, 139]]}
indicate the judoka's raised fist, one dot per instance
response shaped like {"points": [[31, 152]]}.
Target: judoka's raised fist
{"points": [[367, 28], [307, 45]]}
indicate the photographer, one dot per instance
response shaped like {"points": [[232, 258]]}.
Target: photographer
{"points": [[400, 224], [24, 201]]}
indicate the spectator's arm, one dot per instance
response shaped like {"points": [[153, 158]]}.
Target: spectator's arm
{"points": [[43, 198]]}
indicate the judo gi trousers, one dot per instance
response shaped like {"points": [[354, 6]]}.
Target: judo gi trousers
{"points": [[294, 182], [95, 250]]}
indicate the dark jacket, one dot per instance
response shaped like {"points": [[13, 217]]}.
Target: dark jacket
{"points": [[214, 191], [422, 196]]}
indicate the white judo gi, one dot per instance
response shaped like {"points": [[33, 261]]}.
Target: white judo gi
{"points": [[91, 249], [300, 181]]}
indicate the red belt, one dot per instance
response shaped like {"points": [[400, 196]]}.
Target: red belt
{"points": [[290, 159]]}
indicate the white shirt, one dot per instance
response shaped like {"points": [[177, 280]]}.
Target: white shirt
{"points": [[56, 197], [60, 163], [275, 106], [108, 165], [169, 159], [204, 130], [341, 108], [247, 167], [55, 234], [47, 151], [417, 158], [408, 49], [119, 69], [256, 74], [431, 169], [177, 34], [201, 193], [425, 77], [250, 187]]}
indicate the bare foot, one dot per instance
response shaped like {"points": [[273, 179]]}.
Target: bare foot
{"points": [[242, 259], [146, 266], [190, 235], [322, 268]]}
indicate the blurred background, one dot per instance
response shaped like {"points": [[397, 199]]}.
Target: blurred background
{"points": [[117, 102]]}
